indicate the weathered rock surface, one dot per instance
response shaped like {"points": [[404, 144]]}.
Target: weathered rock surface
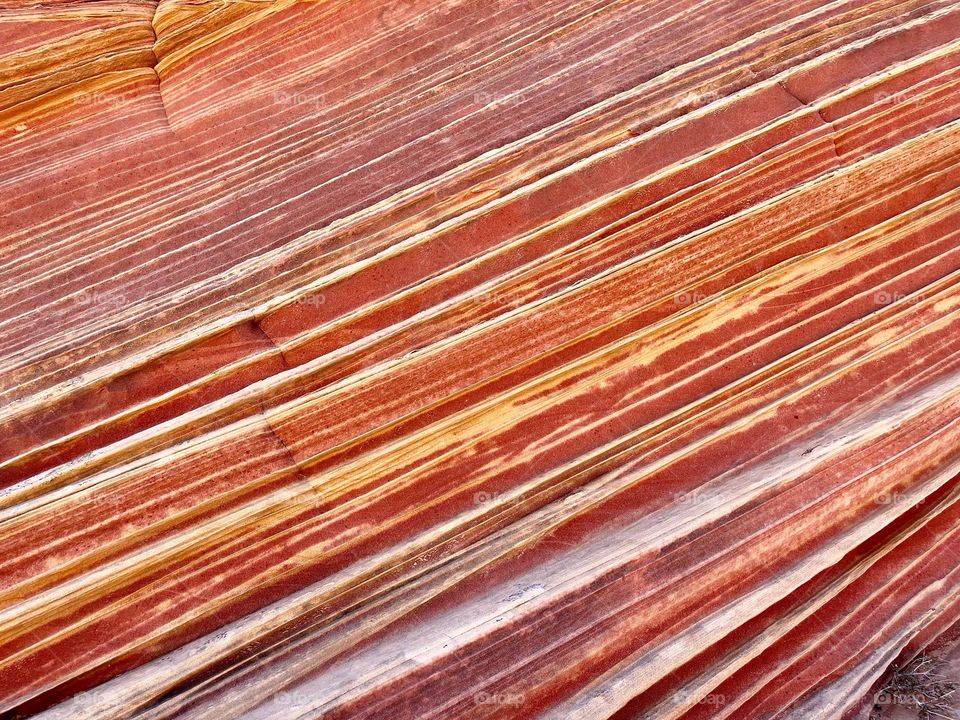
{"points": [[409, 359]]}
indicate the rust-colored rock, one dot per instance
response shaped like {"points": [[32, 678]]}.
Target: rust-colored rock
{"points": [[477, 359]]}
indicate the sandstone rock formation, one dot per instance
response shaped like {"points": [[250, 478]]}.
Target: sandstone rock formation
{"points": [[465, 359]]}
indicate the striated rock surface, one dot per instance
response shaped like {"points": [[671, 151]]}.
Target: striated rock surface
{"points": [[462, 359]]}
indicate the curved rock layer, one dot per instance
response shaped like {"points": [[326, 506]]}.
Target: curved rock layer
{"points": [[463, 359]]}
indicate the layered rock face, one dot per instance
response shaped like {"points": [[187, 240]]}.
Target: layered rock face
{"points": [[476, 359]]}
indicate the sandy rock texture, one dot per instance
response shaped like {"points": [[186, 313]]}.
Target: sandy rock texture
{"points": [[476, 358]]}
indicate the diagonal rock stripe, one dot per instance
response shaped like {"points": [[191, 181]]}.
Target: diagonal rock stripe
{"points": [[460, 359]]}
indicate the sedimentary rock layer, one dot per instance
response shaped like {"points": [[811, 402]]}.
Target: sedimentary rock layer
{"points": [[563, 359]]}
